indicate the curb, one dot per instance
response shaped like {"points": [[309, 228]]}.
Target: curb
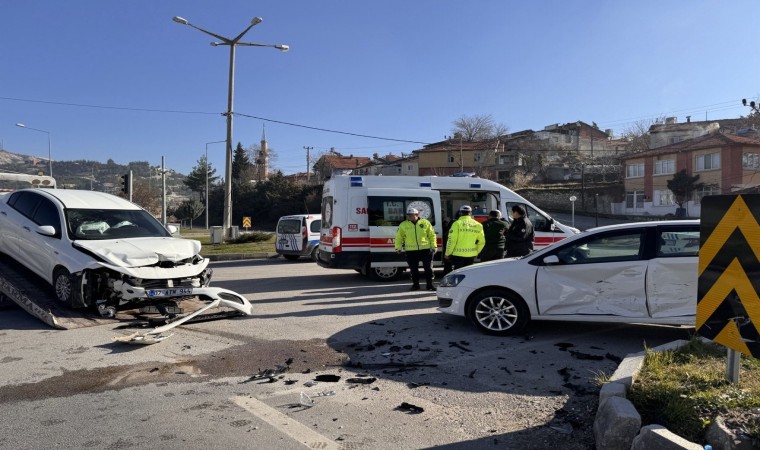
{"points": [[620, 383], [241, 256]]}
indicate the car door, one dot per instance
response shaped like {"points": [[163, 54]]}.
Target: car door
{"points": [[41, 251], [22, 206], [603, 274], [290, 234], [672, 277]]}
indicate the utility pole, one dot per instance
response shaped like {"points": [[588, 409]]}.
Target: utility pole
{"points": [[163, 192], [308, 161]]}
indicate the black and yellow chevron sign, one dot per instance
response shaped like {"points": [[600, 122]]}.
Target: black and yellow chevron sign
{"points": [[728, 304]]}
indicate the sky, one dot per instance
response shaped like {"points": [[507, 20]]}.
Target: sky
{"points": [[122, 81]]}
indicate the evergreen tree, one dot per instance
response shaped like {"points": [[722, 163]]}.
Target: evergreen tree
{"points": [[682, 185], [241, 164], [196, 180]]}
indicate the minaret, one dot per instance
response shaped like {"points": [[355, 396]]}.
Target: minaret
{"points": [[264, 155]]}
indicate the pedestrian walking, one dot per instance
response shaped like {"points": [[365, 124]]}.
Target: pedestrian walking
{"points": [[494, 230], [465, 240], [520, 234], [416, 238]]}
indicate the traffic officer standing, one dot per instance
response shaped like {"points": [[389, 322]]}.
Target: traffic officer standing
{"points": [[466, 239], [416, 237], [520, 234]]}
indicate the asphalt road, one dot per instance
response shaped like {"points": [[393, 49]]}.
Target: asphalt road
{"points": [[437, 381]]}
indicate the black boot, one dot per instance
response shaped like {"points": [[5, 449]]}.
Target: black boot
{"points": [[430, 286], [415, 287]]}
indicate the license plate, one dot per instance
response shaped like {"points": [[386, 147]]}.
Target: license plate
{"points": [[172, 292]]}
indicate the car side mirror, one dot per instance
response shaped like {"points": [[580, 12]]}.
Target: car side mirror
{"points": [[46, 230], [551, 260], [173, 229]]}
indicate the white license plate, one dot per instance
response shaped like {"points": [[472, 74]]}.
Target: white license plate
{"points": [[171, 292]]}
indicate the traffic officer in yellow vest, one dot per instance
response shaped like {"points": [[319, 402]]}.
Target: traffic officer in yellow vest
{"points": [[466, 239], [416, 237]]}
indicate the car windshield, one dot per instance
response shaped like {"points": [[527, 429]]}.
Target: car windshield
{"points": [[98, 224]]}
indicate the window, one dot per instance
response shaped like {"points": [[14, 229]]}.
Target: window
{"points": [[391, 211], [315, 226], [634, 199], [327, 205], [674, 140], [26, 203], [539, 221], [674, 242], [710, 189], [634, 170], [605, 248], [47, 214], [751, 160], [708, 162], [476, 156], [289, 226], [664, 198], [664, 166], [451, 159]]}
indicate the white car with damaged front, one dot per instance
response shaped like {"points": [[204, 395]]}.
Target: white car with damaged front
{"points": [[633, 273], [99, 250]]}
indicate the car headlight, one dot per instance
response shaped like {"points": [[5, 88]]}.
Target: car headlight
{"points": [[451, 280]]}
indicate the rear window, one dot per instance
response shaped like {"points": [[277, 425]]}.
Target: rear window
{"points": [[391, 211], [315, 226], [289, 226]]}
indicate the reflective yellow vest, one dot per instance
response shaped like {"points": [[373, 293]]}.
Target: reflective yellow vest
{"points": [[419, 236], [466, 238]]}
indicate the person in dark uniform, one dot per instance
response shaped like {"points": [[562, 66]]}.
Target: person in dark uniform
{"points": [[520, 234], [494, 229]]}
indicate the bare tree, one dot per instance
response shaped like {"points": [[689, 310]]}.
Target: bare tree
{"points": [[637, 134], [477, 128]]}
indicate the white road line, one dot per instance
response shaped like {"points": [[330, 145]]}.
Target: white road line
{"points": [[290, 427]]}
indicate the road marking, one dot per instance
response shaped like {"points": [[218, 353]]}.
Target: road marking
{"points": [[290, 427]]}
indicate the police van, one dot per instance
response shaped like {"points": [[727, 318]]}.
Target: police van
{"points": [[361, 214], [298, 235]]}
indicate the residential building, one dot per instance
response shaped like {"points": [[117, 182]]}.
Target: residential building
{"points": [[380, 165], [672, 132], [724, 162], [333, 163]]}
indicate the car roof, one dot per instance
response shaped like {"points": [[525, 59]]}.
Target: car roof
{"points": [[80, 199], [655, 223]]}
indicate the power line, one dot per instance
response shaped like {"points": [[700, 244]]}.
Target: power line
{"points": [[331, 131]]}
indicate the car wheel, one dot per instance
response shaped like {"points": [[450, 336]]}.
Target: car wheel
{"points": [[291, 257], [498, 313], [315, 254], [384, 273], [64, 286]]}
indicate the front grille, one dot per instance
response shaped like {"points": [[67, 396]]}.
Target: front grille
{"points": [[445, 302]]}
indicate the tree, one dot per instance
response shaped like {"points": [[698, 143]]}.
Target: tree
{"points": [[682, 185], [148, 198], [189, 210], [477, 128], [196, 180], [240, 165], [637, 134]]}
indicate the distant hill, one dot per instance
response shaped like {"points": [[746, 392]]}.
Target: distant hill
{"points": [[99, 176]]}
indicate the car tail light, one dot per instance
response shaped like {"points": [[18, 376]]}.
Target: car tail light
{"points": [[336, 235]]}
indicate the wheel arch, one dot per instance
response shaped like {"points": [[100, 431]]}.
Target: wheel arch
{"points": [[506, 290]]}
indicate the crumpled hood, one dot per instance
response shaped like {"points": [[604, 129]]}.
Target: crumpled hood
{"points": [[137, 252]]}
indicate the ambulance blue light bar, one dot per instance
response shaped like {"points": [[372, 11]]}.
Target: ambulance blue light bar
{"points": [[475, 185], [426, 184], [357, 182]]}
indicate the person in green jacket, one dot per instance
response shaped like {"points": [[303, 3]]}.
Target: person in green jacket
{"points": [[494, 229], [466, 239], [416, 238]]}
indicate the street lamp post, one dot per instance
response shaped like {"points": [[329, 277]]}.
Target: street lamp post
{"points": [[50, 159], [230, 93], [207, 143]]}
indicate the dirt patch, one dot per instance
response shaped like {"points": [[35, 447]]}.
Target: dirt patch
{"points": [[243, 360]]}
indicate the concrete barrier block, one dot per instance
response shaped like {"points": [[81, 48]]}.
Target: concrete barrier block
{"points": [[617, 423], [659, 437], [611, 390]]}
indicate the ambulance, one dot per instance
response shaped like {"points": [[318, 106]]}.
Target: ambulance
{"points": [[361, 214]]}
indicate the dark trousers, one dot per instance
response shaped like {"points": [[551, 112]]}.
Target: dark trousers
{"points": [[461, 261], [413, 259], [489, 254]]}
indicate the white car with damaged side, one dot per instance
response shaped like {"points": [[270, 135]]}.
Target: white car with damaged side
{"points": [[632, 273], [102, 251]]}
